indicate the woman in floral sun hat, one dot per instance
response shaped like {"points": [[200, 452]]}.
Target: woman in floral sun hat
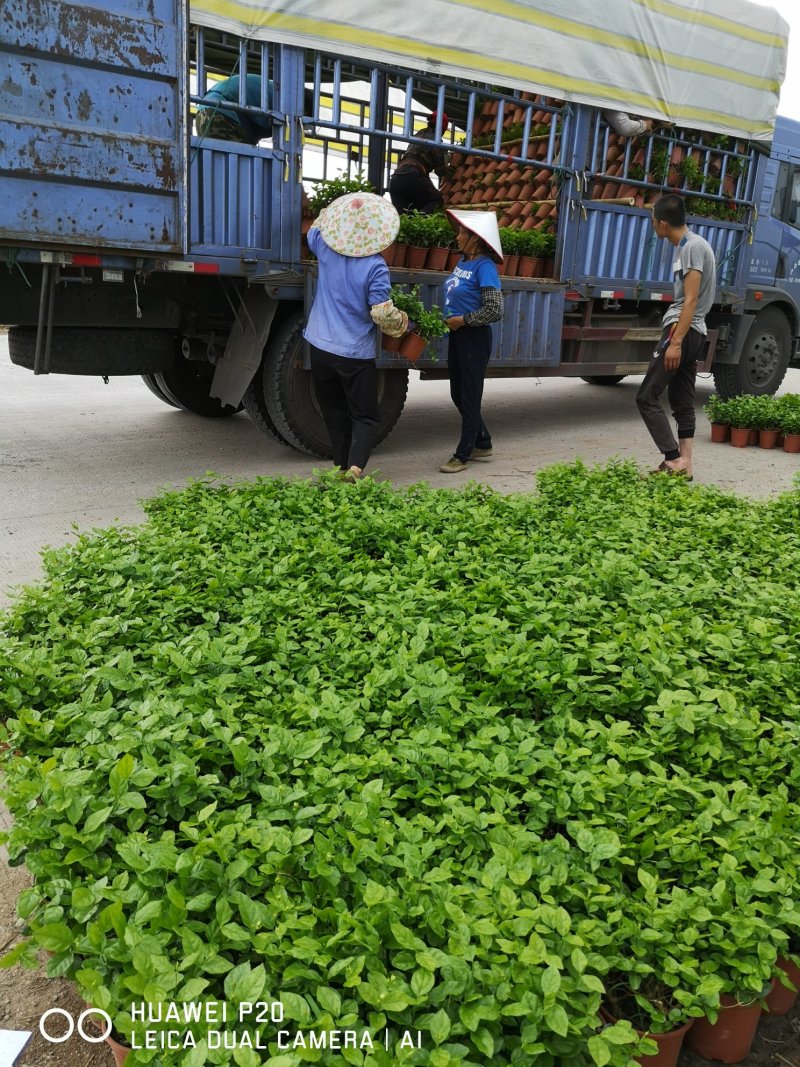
{"points": [[351, 304]]}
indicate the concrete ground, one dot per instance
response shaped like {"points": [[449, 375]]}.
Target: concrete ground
{"points": [[76, 451]]}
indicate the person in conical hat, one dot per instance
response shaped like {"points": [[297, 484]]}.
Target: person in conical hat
{"points": [[351, 304], [473, 301]]}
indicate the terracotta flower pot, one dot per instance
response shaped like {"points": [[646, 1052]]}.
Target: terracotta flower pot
{"points": [[388, 254], [791, 442], [781, 1000], [740, 436], [767, 438], [412, 346], [510, 265], [416, 257], [669, 1044], [453, 259], [730, 1038], [669, 1047], [525, 266], [720, 433], [753, 436], [400, 253], [121, 1052], [515, 209], [390, 344], [437, 258]]}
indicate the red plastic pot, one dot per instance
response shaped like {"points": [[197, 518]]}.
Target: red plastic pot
{"points": [[791, 442], [437, 258], [121, 1052], [390, 344], [412, 346], [669, 1047], [753, 436], [731, 1037], [453, 259], [510, 265], [740, 436], [720, 433], [400, 253], [781, 1000], [525, 266], [416, 257], [767, 438], [388, 254]]}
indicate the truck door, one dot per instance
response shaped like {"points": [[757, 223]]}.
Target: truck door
{"points": [[92, 124], [786, 212]]}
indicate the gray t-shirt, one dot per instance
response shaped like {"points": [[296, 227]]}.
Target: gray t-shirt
{"points": [[693, 253]]}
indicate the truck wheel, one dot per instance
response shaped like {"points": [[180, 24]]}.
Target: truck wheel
{"points": [[186, 385], [75, 350], [604, 379], [282, 394], [150, 381], [764, 359]]}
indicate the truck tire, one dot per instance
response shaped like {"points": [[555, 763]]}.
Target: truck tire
{"points": [[764, 359], [186, 385], [282, 394], [75, 350], [150, 381], [603, 379]]}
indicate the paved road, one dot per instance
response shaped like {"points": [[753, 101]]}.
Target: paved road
{"points": [[76, 451]]}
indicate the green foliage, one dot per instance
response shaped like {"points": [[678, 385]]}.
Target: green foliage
{"points": [[452, 761], [426, 231], [427, 322], [756, 412], [331, 189]]}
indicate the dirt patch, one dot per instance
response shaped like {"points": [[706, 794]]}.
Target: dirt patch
{"points": [[26, 995]]}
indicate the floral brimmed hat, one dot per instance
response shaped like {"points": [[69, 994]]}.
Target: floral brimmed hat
{"points": [[359, 224], [483, 223]]}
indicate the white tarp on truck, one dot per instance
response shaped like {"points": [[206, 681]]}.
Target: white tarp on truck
{"points": [[710, 64]]}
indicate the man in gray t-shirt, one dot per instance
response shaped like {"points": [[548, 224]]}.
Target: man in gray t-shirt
{"points": [[683, 340]]}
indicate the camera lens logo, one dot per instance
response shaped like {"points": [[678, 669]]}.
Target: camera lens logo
{"points": [[92, 1038]]}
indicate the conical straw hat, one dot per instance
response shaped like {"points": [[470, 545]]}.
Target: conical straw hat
{"points": [[359, 224], [483, 223]]}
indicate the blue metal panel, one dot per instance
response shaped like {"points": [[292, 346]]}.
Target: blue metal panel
{"points": [[92, 106], [617, 249], [528, 335], [237, 196]]}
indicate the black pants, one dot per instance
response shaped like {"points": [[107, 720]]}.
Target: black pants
{"points": [[468, 355], [347, 391], [679, 384], [411, 190]]}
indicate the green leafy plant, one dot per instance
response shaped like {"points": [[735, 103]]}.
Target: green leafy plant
{"points": [[427, 322], [332, 188], [426, 230], [715, 409], [254, 754]]}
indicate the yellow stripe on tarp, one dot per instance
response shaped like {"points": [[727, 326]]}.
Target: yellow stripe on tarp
{"points": [[621, 42], [717, 22], [331, 33]]}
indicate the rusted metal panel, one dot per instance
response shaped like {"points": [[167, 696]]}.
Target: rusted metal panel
{"points": [[92, 124]]}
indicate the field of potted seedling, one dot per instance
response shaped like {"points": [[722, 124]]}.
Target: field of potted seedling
{"points": [[516, 774]]}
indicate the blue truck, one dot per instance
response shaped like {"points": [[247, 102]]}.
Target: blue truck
{"points": [[134, 246]]}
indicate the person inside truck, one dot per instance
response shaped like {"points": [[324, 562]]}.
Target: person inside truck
{"points": [[625, 125], [410, 187], [473, 300], [683, 340], [213, 119], [352, 302]]}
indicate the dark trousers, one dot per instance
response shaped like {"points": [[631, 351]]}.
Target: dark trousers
{"points": [[679, 384], [410, 190], [347, 391], [467, 358]]}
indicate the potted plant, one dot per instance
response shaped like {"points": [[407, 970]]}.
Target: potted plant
{"points": [[414, 234], [789, 422], [785, 991], [424, 324], [651, 1007], [716, 412], [331, 189], [766, 420], [510, 242], [739, 413], [530, 251]]}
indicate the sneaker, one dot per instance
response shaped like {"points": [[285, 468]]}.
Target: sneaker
{"points": [[453, 466], [482, 453]]}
